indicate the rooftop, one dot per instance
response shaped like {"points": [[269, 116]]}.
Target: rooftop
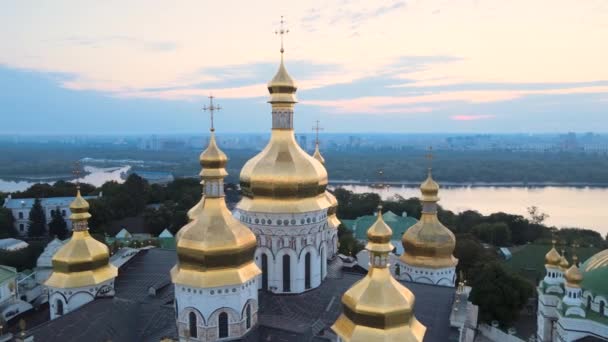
{"points": [[135, 315]]}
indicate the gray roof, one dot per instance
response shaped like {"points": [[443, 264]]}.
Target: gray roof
{"points": [[134, 315]]}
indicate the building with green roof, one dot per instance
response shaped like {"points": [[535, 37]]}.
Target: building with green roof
{"points": [[572, 299], [398, 223]]}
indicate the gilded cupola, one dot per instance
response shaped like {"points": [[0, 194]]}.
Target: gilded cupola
{"points": [[429, 243], [563, 262], [378, 307], [214, 249], [283, 178], [82, 261], [553, 258], [573, 275], [332, 218]]}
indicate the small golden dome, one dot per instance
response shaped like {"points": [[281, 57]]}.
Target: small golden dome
{"points": [[317, 155], [79, 208], [429, 189], [429, 243], [82, 261], [196, 210], [573, 275], [563, 264], [378, 308], [552, 258], [282, 87], [214, 249], [379, 236], [213, 160]]}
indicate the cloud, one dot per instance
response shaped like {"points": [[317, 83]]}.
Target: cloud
{"points": [[356, 17], [97, 42], [473, 117]]}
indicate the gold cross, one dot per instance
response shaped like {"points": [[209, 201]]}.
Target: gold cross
{"points": [[76, 172], [282, 31], [211, 109], [429, 156], [317, 128]]}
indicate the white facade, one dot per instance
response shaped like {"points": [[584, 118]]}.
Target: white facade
{"points": [[44, 264], [292, 249], [66, 300], [216, 313], [436, 276]]}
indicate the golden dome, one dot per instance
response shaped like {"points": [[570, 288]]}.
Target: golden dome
{"points": [[197, 209], [573, 275], [282, 87], [332, 218], [552, 258], [596, 261], [317, 155], [378, 308], [563, 263], [82, 261], [429, 189], [379, 236], [429, 243], [214, 249]]}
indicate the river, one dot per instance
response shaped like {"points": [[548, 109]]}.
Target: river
{"points": [[566, 206], [94, 175]]}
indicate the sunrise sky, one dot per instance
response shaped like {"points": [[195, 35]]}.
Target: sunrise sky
{"points": [[107, 67]]}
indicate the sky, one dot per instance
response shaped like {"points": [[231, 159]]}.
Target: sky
{"points": [[471, 66]]}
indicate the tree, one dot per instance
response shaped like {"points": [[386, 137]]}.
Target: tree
{"points": [[536, 216], [58, 227], [469, 252], [156, 220], [101, 213], [138, 190], [497, 233], [348, 244], [7, 224], [37, 223], [499, 294]]}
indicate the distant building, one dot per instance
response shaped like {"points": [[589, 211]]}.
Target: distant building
{"points": [[156, 177], [10, 304], [21, 208], [399, 225]]}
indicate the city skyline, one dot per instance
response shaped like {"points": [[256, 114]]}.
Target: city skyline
{"points": [[418, 67]]}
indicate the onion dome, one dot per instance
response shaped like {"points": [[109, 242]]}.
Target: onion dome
{"points": [[283, 178], [552, 258], [317, 155], [82, 261], [378, 307], [214, 249], [332, 218], [563, 263], [429, 243], [573, 275], [282, 87]]}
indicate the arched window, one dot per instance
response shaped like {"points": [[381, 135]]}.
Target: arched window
{"points": [[192, 325], [223, 325], [248, 316], [602, 307], [307, 271], [286, 273], [59, 307], [264, 272], [21, 215]]}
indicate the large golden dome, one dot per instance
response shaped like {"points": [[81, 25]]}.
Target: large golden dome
{"points": [[82, 261], [283, 177], [214, 249], [378, 308], [429, 243]]}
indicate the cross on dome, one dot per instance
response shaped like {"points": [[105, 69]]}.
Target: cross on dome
{"points": [[282, 31], [211, 109], [317, 128]]}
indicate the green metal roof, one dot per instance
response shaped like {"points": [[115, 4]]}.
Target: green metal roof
{"points": [[399, 224], [596, 281], [6, 273]]}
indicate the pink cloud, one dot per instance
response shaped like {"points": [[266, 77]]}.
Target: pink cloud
{"points": [[471, 117]]}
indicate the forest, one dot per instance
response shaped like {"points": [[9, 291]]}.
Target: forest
{"points": [[359, 164]]}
